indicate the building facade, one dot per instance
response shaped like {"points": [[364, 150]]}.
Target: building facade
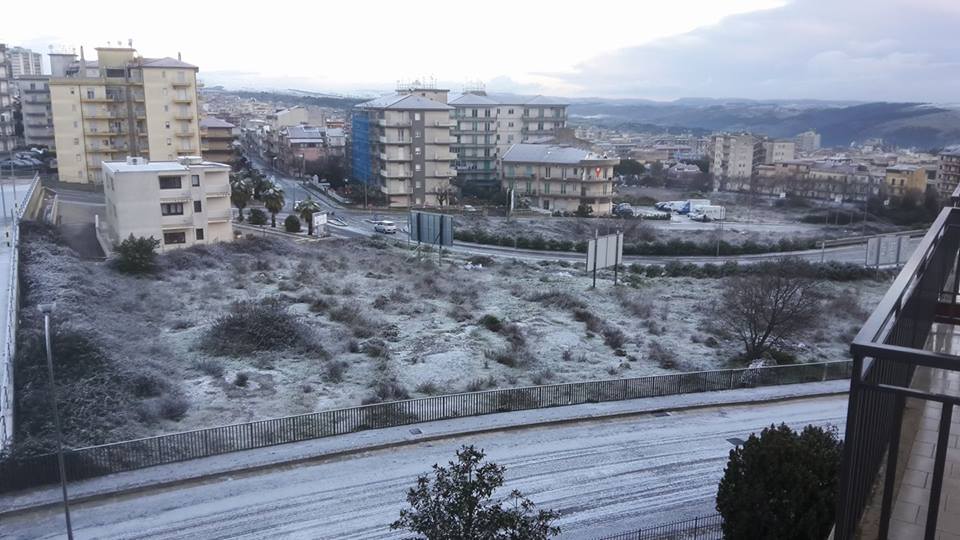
{"points": [[808, 141], [8, 133], [778, 151], [35, 109], [733, 160], [948, 171], [487, 126], [559, 178], [24, 62], [901, 179], [122, 105], [217, 138], [303, 147], [401, 144], [180, 203]]}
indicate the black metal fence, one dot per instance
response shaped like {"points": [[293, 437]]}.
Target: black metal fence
{"points": [[129, 455], [698, 528], [886, 353]]}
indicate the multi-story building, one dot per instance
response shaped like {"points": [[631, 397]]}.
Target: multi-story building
{"points": [[901, 179], [35, 109], [8, 133], [24, 62], [303, 147], [559, 178], [487, 126], [778, 151], [217, 138], [734, 160], [948, 171], [401, 144], [808, 141], [180, 203], [122, 105]]}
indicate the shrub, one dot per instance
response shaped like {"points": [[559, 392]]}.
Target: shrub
{"points": [[638, 307], [257, 217], [334, 370], [291, 224], [491, 322], [558, 299], [542, 377], [147, 384], [508, 356], [136, 255], [481, 260], [593, 323], [376, 348], [252, 326], [665, 358], [614, 337], [209, 367], [241, 379], [387, 391], [429, 388], [173, 406]]}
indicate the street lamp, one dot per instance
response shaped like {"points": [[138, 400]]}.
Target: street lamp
{"points": [[47, 309]]}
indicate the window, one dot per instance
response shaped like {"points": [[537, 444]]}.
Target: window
{"points": [[416, 167], [509, 124], [509, 111], [199, 234], [73, 91], [416, 116], [169, 141], [91, 94], [171, 209], [166, 108], [546, 188], [197, 206], [170, 182], [117, 73], [417, 134], [75, 124], [548, 172], [416, 151], [195, 180], [175, 238], [76, 141], [166, 125]]}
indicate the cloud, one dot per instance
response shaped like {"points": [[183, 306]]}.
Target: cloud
{"points": [[883, 50]]}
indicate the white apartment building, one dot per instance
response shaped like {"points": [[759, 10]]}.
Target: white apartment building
{"points": [[559, 178], [733, 160], [778, 151], [808, 141], [180, 203], [24, 62]]}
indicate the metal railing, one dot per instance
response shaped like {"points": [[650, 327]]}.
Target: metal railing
{"points": [[886, 353], [129, 455], [698, 528]]}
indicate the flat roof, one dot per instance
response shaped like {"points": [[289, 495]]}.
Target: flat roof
{"points": [[159, 166], [549, 153]]}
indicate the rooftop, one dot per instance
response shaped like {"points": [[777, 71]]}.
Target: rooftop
{"points": [[214, 122], [506, 99], [548, 153], [161, 166], [402, 102]]}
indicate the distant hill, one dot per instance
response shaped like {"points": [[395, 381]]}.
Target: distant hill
{"points": [[301, 98], [919, 125]]}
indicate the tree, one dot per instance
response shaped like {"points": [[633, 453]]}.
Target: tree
{"points": [[764, 309], [292, 224], [258, 217], [457, 504], [273, 200], [306, 208], [241, 192], [628, 166], [136, 255], [781, 484], [584, 210]]}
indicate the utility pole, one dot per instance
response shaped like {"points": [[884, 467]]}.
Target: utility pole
{"points": [[47, 309]]}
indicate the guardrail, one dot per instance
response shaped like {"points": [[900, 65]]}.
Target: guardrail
{"points": [[22, 472], [699, 528], [8, 352]]}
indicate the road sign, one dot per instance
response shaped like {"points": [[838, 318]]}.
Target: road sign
{"points": [[320, 223], [604, 252], [436, 229]]}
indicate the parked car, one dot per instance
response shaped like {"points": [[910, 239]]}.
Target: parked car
{"points": [[385, 227]]}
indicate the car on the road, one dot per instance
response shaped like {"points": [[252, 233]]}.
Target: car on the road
{"points": [[385, 227], [469, 209]]}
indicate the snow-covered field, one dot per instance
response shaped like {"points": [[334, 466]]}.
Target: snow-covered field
{"points": [[391, 325]]}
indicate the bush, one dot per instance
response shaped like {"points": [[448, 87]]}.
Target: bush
{"points": [[291, 224], [429, 388], [387, 391], [782, 484], [334, 370], [212, 368], [173, 406], [136, 255], [614, 337], [558, 299], [257, 217], [241, 379], [491, 322], [665, 358], [253, 326]]}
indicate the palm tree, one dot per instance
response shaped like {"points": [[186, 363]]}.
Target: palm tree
{"points": [[306, 209], [241, 191], [273, 200]]}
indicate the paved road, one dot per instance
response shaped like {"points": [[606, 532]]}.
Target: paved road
{"points": [[604, 476]]}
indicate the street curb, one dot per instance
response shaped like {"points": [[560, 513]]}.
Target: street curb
{"points": [[202, 478]]}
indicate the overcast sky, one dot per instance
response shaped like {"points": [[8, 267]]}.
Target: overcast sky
{"points": [[903, 50]]}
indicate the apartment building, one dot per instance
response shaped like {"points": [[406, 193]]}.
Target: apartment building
{"points": [[559, 178], [778, 151], [901, 179], [808, 141], [24, 62], [487, 126], [303, 147], [401, 144], [180, 203], [122, 105], [8, 134], [948, 171], [35, 109], [733, 160], [217, 138]]}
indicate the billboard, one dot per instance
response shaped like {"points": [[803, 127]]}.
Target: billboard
{"points": [[436, 229], [605, 251]]}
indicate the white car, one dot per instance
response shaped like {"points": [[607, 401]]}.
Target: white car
{"points": [[385, 227]]}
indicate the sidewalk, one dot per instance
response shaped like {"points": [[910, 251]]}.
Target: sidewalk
{"points": [[250, 461]]}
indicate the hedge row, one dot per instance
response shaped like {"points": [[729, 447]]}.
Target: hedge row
{"points": [[830, 271], [671, 247]]}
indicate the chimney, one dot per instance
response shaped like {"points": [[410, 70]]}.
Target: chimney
{"points": [[178, 56], [83, 63]]}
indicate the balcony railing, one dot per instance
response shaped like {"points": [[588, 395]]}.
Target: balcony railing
{"points": [[893, 346]]}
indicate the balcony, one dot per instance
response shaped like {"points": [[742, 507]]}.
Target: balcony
{"points": [[900, 456], [396, 173], [219, 216], [383, 122], [105, 149], [215, 193], [183, 116], [188, 133], [443, 156], [176, 222], [442, 123], [180, 84], [183, 100], [393, 140]]}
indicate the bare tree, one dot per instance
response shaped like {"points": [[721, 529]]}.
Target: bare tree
{"points": [[766, 308]]}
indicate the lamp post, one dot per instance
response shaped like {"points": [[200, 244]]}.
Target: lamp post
{"points": [[47, 309]]}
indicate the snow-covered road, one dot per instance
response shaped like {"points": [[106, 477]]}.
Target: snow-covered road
{"points": [[604, 476]]}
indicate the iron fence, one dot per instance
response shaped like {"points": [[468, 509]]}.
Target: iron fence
{"points": [[698, 528], [18, 473]]}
